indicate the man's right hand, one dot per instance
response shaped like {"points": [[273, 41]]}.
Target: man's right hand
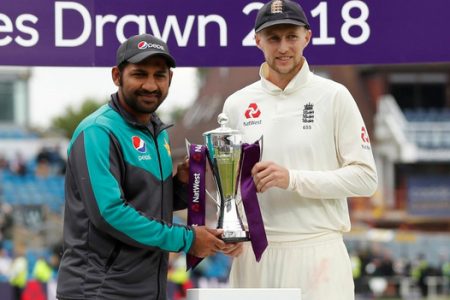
{"points": [[207, 241]]}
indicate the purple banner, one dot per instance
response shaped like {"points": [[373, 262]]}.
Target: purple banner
{"points": [[207, 33]]}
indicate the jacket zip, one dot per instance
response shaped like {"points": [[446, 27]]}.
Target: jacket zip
{"points": [[155, 140]]}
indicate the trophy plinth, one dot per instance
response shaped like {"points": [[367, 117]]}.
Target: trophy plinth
{"points": [[224, 148]]}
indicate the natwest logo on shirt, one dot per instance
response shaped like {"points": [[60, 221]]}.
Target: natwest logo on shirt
{"points": [[252, 111], [364, 135], [365, 138]]}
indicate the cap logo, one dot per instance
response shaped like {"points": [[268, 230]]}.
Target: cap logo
{"points": [[144, 45], [276, 7]]}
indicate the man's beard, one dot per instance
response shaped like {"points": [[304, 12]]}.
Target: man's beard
{"points": [[133, 102], [131, 99]]}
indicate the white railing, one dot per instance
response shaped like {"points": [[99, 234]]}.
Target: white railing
{"points": [[407, 141], [390, 132]]}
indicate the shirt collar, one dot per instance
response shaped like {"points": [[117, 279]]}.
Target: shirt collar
{"points": [[297, 82]]}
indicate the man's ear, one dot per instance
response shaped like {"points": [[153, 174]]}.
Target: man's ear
{"points": [[308, 36], [170, 76], [258, 41], [115, 74]]}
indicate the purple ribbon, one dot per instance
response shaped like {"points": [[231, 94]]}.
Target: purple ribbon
{"points": [[196, 193], [258, 238]]}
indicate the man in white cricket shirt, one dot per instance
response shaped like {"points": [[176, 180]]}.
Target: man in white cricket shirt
{"points": [[316, 153]]}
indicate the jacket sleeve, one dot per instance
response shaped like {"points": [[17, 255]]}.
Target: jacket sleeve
{"points": [[103, 197], [357, 174]]}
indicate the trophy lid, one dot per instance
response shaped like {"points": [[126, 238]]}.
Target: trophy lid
{"points": [[222, 119]]}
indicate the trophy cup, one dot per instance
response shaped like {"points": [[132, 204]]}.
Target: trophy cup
{"points": [[231, 162], [224, 154]]}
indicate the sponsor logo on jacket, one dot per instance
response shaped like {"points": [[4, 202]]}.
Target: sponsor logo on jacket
{"points": [[141, 147]]}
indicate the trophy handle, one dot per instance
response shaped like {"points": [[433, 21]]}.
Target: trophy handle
{"points": [[260, 141], [188, 145]]}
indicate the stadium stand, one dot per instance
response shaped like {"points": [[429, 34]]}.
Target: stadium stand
{"points": [[31, 189]]}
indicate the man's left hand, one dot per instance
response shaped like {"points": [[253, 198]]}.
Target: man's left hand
{"points": [[183, 171]]}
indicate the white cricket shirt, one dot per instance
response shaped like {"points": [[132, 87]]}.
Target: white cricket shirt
{"points": [[314, 129]]}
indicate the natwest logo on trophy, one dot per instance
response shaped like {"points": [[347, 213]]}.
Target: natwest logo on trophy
{"points": [[196, 188], [197, 155]]}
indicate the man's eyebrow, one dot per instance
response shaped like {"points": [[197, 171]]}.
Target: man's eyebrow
{"points": [[140, 70]]}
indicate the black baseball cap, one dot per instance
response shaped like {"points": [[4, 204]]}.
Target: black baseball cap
{"points": [[139, 47], [280, 12]]}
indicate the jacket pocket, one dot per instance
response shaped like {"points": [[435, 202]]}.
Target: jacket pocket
{"points": [[112, 257]]}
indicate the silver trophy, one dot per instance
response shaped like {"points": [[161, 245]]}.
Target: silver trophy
{"points": [[224, 146]]}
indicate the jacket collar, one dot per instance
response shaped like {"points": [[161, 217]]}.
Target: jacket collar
{"points": [[155, 125]]}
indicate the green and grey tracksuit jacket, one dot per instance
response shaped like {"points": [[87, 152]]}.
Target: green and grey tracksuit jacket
{"points": [[120, 196]]}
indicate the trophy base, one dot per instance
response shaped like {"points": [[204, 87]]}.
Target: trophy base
{"points": [[235, 236]]}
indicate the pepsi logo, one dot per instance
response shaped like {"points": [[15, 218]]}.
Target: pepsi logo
{"points": [[139, 144], [144, 45], [252, 111]]}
